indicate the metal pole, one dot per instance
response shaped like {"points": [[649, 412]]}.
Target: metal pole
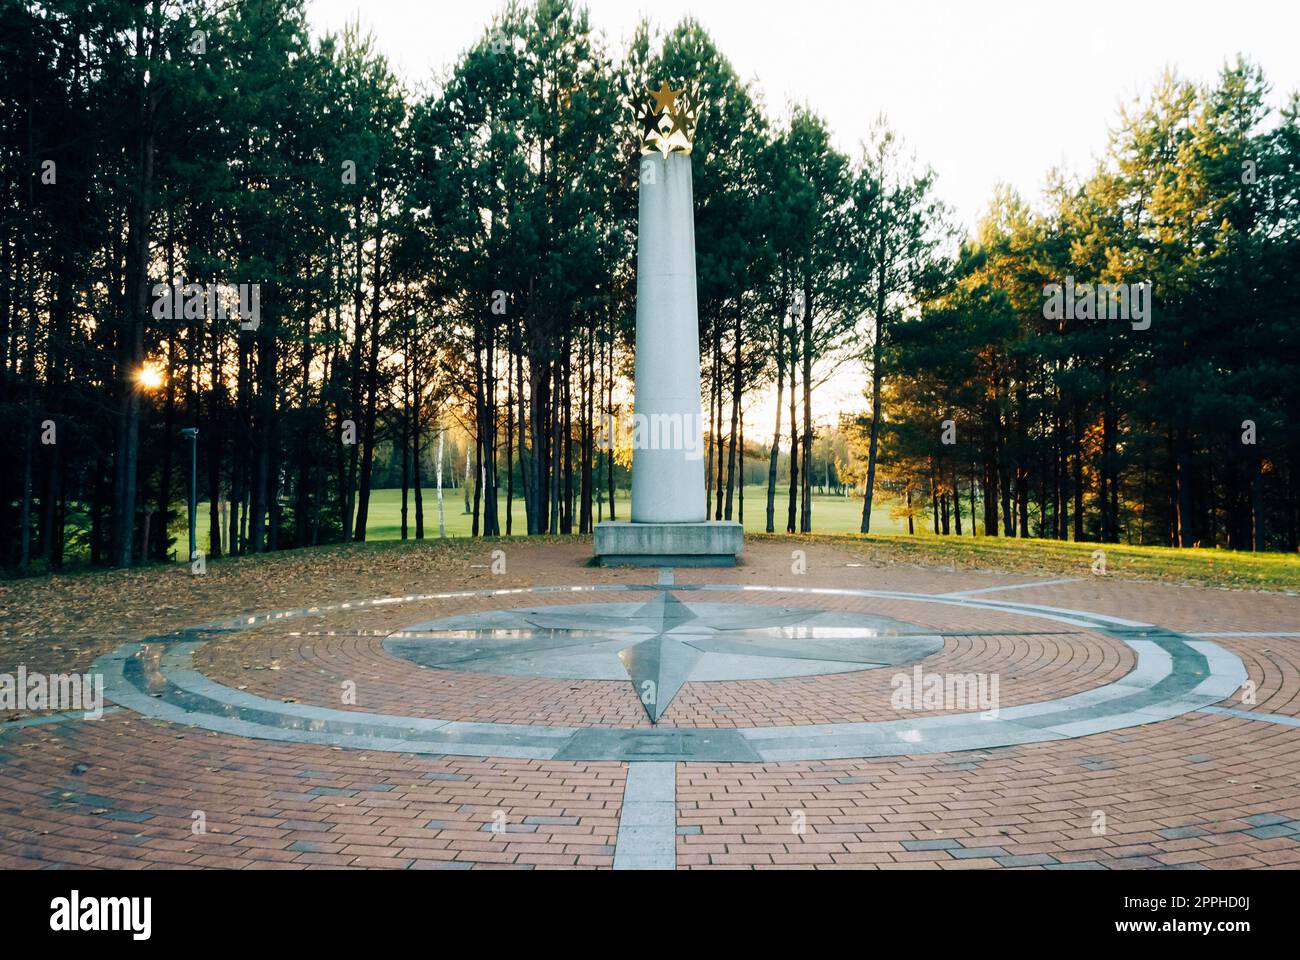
{"points": [[193, 434]]}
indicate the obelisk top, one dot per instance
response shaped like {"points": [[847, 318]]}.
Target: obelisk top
{"points": [[668, 118]]}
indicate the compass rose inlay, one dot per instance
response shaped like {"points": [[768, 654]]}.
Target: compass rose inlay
{"points": [[662, 644]]}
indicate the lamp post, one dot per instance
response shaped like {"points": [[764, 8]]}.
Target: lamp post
{"points": [[192, 433]]}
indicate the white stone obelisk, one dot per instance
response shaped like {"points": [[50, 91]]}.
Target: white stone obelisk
{"points": [[668, 435], [670, 524]]}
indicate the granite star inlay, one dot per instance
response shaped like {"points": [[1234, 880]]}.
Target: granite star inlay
{"points": [[662, 644]]}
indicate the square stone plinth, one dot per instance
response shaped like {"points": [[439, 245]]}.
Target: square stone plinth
{"points": [[713, 543]]}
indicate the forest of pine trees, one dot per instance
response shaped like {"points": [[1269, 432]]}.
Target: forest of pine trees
{"points": [[461, 258]]}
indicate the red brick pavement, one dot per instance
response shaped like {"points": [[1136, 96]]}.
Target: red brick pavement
{"points": [[121, 792], [1036, 801]]}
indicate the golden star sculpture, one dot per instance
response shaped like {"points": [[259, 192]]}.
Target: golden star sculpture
{"points": [[682, 113], [649, 124], [665, 97], [679, 119]]}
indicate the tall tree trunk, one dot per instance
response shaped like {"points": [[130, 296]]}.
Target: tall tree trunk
{"points": [[1022, 471], [776, 439], [480, 427], [1103, 473], [1078, 475], [718, 439], [934, 497], [991, 471], [405, 431], [1256, 501], [417, 453], [566, 405], [136, 303], [442, 519], [609, 412], [587, 449], [805, 516], [525, 461], [491, 517], [792, 516], [538, 391], [354, 372], [212, 435], [956, 501], [29, 412], [52, 497], [265, 480], [1005, 466], [557, 424], [877, 378], [510, 436], [372, 379], [1186, 528], [735, 414], [740, 491]]}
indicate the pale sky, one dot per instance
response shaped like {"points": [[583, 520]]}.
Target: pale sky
{"points": [[983, 92]]}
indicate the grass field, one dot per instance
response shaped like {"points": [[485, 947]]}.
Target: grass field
{"points": [[1222, 568], [830, 515], [836, 520]]}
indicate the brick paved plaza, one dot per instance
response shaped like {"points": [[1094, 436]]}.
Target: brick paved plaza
{"points": [[269, 715]]}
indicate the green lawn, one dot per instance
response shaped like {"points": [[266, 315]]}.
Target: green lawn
{"points": [[836, 520], [1223, 568], [830, 515]]}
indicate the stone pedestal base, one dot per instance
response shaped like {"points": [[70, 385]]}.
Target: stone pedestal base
{"points": [[713, 543]]}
